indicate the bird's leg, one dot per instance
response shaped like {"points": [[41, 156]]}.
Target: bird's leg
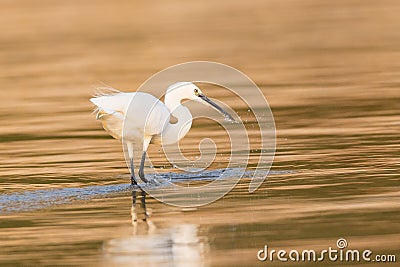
{"points": [[133, 178], [141, 172], [130, 153], [146, 142]]}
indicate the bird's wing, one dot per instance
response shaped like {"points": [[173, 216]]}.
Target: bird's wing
{"points": [[115, 102]]}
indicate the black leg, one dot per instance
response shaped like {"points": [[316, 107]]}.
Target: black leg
{"points": [[143, 202], [133, 179], [134, 194], [141, 172]]}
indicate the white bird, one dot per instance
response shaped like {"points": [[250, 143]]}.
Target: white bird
{"points": [[141, 118]]}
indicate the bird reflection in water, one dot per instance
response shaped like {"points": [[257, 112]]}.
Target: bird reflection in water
{"points": [[140, 214], [177, 245]]}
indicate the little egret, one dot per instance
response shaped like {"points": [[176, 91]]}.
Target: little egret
{"points": [[141, 118]]}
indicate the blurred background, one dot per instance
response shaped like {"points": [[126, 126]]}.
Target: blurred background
{"points": [[329, 69]]}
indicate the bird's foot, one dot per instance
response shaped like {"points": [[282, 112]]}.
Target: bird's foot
{"points": [[133, 180], [151, 181]]}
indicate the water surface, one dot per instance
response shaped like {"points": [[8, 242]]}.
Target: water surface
{"points": [[330, 71]]}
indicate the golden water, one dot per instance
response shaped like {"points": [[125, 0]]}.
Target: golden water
{"points": [[329, 69]]}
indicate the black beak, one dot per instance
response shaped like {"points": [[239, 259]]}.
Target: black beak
{"points": [[218, 108]]}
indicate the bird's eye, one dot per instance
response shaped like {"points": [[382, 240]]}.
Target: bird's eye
{"points": [[196, 91]]}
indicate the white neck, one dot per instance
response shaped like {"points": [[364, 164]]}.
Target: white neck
{"points": [[174, 132]]}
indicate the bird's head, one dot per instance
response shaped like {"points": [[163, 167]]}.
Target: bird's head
{"points": [[188, 90]]}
